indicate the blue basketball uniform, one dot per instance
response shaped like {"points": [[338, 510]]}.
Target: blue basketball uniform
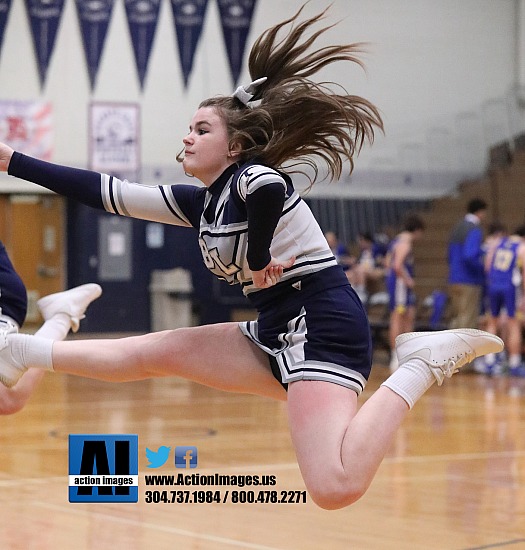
{"points": [[13, 295], [400, 296], [311, 324], [504, 277]]}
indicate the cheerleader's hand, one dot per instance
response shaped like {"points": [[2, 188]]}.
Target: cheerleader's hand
{"points": [[272, 273], [5, 156]]}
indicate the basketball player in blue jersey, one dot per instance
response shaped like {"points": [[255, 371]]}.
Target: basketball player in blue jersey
{"points": [[505, 284], [61, 312], [400, 282], [311, 342]]}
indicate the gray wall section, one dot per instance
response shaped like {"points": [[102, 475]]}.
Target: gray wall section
{"points": [[434, 68]]}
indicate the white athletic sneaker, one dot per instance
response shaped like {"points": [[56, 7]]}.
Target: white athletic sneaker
{"points": [[446, 351], [72, 302], [10, 370], [7, 324]]}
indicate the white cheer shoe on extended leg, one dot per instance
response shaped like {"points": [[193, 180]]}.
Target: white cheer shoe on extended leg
{"points": [[72, 302], [10, 370], [446, 351], [7, 324]]}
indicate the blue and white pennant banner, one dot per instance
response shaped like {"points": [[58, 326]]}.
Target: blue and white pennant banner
{"points": [[94, 18], [5, 6], [143, 16], [44, 18], [188, 16], [236, 19]]}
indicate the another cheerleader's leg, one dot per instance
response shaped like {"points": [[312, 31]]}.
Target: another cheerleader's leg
{"points": [[62, 312]]}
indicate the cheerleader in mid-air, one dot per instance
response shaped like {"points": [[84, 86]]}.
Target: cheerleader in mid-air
{"points": [[311, 342]]}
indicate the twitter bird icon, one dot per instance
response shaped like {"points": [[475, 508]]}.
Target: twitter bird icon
{"points": [[157, 458]]}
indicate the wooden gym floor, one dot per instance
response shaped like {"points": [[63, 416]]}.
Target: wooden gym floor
{"points": [[454, 479]]}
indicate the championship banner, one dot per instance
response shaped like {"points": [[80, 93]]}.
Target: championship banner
{"points": [[28, 126], [114, 137], [143, 16], [5, 6], [94, 20], [189, 20], [236, 19], [44, 17]]}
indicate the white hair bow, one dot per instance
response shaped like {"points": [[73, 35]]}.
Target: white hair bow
{"points": [[245, 95]]}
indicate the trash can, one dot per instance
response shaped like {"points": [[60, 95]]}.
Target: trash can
{"points": [[171, 293]]}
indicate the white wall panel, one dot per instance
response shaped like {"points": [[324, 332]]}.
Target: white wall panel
{"points": [[428, 63]]}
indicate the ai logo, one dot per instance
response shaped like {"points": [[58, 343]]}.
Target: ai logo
{"points": [[103, 468]]}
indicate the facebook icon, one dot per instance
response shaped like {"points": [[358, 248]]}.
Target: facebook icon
{"points": [[185, 457]]}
